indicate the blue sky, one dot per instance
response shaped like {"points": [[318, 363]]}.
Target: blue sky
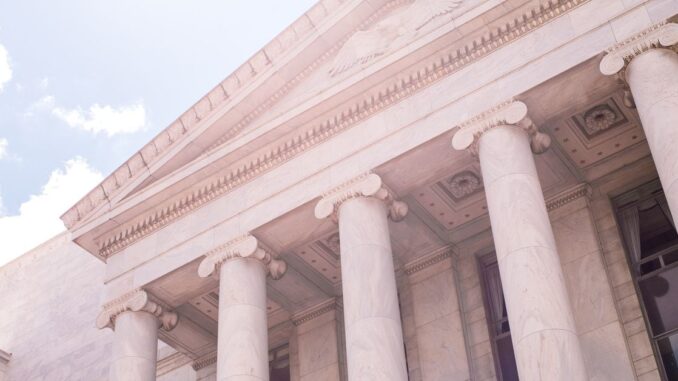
{"points": [[84, 84]]}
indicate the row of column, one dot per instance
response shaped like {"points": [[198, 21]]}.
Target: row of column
{"points": [[544, 338]]}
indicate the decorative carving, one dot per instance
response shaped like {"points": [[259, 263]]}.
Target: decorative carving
{"points": [[567, 196], [598, 119], [315, 311], [419, 79], [206, 360], [216, 98], [366, 185], [366, 45], [428, 260], [463, 184], [137, 300], [507, 113], [656, 36], [333, 243], [245, 246]]}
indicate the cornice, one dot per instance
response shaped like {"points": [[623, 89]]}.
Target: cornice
{"points": [[511, 112], [618, 56], [391, 93], [228, 89], [315, 311], [365, 185], [245, 246], [170, 363], [429, 260], [136, 300], [567, 196], [204, 361]]}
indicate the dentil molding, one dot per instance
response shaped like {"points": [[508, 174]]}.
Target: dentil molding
{"points": [[508, 113], [316, 311], [245, 246], [618, 56], [366, 185], [137, 300], [418, 79]]}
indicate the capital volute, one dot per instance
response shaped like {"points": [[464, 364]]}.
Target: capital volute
{"points": [[137, 301], [618, 56], [365, 185], [508, 113], [245, 246]]}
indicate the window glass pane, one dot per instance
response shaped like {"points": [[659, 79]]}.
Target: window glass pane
{"points": [[660, 297], [656, 231], [668, 350], [507, 360]]}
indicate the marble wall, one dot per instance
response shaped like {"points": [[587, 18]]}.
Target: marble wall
{"points": [[438, 324], [50, 299], [596, 318], [319, 347]]}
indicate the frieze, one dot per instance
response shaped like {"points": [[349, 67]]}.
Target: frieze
{"points": [[317, 134]]}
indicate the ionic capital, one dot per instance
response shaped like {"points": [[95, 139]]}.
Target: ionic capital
{"points": [[657, 36], [136, 301], [245, 246], [366, 185], [507, 113]]}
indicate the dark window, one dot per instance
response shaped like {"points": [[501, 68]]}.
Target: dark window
{"points": [[497, 320], [279, 363], [651, 244]]}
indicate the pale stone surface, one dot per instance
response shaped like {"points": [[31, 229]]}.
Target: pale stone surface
{"points": [[656, 99], [441, 349], [374, 339], [135, 346], [319, 349], [57, 286], [542, 326], [243, 331]]}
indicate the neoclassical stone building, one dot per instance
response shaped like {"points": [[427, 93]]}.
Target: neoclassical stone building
{"points": [[392, 190]]}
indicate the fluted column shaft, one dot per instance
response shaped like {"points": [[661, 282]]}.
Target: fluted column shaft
{"points": [[135, 347], [374, 340], [542, 326], [242, 352], [653, 79]]}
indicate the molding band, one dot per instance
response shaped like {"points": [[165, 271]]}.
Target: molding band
{"points": [[315, 311], [429, 260], [392, 93], [567, 196]]}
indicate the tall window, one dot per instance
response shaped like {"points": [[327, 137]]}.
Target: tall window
{"points": [[652, 247], [279, 363], [497, 320]]}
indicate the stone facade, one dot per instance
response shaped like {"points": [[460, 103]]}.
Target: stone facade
{"points": [[330, 210]]}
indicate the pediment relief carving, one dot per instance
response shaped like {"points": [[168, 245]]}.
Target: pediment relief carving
{"points": [[391, 32]]}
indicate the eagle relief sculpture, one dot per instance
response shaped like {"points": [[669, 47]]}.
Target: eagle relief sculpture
{"points": [[365, 45]]}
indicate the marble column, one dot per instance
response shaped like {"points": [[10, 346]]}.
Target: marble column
{"points": [[649, 64], [374, 336], [543, 331], [242, 266], [135, 319]]}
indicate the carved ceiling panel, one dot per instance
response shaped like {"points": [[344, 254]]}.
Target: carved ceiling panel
{"points": [[323, 256], [454, 200], [208, 304], [598, 132]]}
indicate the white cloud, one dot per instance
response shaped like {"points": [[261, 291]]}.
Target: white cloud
{"points": [[97, 119], [38, 218], [3, 153], [5, 68]]}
